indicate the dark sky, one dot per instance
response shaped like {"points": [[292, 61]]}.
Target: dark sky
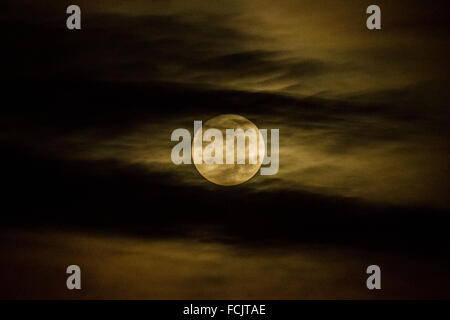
{"points": [[362, 115], [87, 115]]}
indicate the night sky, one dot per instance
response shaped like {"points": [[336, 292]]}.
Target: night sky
{"points": [[86, 120]]}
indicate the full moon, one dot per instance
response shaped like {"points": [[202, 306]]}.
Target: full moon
{"points": [[229, 174]]}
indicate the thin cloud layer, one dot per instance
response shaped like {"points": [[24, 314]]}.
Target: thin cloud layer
{"points": [[360, 114]]}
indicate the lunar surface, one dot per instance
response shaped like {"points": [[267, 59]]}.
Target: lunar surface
{"points": [[229, 174]]}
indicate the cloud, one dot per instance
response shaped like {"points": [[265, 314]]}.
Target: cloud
{"points": [[360, 114], [326, 147]]}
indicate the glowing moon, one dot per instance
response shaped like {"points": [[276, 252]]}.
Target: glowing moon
{"points": [[229, 174]]}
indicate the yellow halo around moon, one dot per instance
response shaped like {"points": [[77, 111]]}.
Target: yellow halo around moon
{"points": [[229, 174]]}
